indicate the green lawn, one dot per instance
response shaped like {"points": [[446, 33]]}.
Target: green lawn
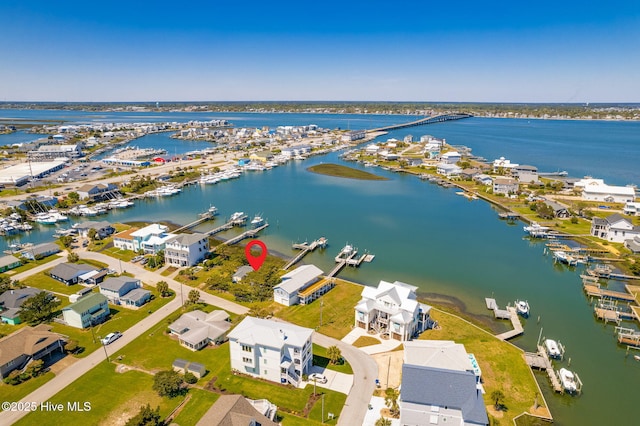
{"points": [[363, 341], [320, 358], [194, 409], [32, 264], [124, 255], [503, 366], [120, 320], [16, 393], [114, 398], [45, 282], [337, 311]]}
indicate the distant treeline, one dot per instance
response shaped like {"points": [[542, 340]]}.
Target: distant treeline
{"points": [[533, 110]]}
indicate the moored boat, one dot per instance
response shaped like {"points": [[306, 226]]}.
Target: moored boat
{"points": [[552, 348], [568, 380], [522, 306]]}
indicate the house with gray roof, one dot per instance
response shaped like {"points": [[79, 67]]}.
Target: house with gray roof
{"points": [[558, 209], [9, 262], [11, 301], [88, 311], [241, 272], [26, 344], [40, 251], [124, 291], [186, 249], [614, 228], [69, 273], [236, 410], [197, 329], [439, 386], [97, 192], [287, 292], [102, 227]]}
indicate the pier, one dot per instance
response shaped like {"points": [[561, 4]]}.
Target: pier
{"points": [[421, 122], [594, 290], [239, 221], [540, 360], [509, 313], [247, 234], [193, 224], [347, 256], [628, 336], [305, 248]]}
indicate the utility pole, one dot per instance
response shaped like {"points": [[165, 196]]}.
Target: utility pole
{"points": [[321, 304], [323, 408]]}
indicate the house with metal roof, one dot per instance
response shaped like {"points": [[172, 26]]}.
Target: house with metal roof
{"points": [[287, 292], [392, 308], [440, 386], [69, 273], [88, 311], [124, 291], [40, 251], [26, 344], [11, 301], [241, 272], [197, 329], [236, 410], [275, 351]]}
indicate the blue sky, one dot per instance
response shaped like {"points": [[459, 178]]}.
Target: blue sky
{"points": [[543, 51]]}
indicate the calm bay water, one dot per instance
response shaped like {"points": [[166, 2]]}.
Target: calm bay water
{"points": [[428, 236]]}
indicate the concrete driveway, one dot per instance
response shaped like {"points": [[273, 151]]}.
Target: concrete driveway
{"points": [[336, 381]]}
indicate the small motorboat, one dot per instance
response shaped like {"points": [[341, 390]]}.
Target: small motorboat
{"points": [[636, 357], [568, 380], [552, 348], [522, 306]]}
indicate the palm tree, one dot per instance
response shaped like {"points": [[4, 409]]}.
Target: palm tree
{"points": [[391, 401], [334, 354], [382, 421], [498, 399]]}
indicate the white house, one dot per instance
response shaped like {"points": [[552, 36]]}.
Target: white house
{"points": [[286, 293], [275, 351], [124, 291], [186, 249], [150, 239], [372, 148], [597, 190], [197, 329], [503, 164], [86, 312], [392, 308], [506, 186], [632, 209], [525, 174], [440, 385], [614, 228], [449, 170], [451, 157]]}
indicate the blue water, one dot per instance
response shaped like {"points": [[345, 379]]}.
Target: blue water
{"points": [[428, 236]]}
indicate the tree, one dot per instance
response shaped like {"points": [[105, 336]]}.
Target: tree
{"points": [[73, 257], [71, 346], [6, 283], [383, 421], [497, 396], [35, 368], [391, 401], [168, 383], [39, 308], [334, 353], [163, 288], [146, 417], [66, 240], [193, 297], [92, 234], [74, 196]]}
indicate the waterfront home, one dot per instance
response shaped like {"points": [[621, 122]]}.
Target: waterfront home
{"points": [[9, 262], [597, 190], [484, 179], [440, 385], [103, 228], [241, 272], [614, 228], [558, 209], [372, 148], [40, 251], [451, 157], [469, 174], [633, 244], [392, 308], [11, 301], [27, 344], [150, 239], [353, 135], [86, 312], [69, 273], [292, 283], [275, 351], [525, 174], [502, 165], [262, 156], [506, 186], [97, 192], [197, 329], [632, 209], [448, 170], [237, 410], [186, 249], [388, 155], [124, 291]]}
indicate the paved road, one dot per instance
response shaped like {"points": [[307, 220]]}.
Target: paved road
{"points": [[365, 370], [40, 268]]}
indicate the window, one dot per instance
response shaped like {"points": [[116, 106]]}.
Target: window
{"points": [[247, 348], [247, 360]]}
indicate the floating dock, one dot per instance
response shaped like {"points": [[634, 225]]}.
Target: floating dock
{"points": [[540, 360], [347, 256], [241, 221], [305, 248], [509, 313]]}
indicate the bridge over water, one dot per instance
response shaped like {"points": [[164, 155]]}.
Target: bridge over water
{"points": [[423, 121]]}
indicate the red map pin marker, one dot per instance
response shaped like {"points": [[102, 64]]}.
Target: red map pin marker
{"points": [[256, 261]]}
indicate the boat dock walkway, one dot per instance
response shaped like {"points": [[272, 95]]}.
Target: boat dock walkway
{"points": [[594, 290], [540, 360], [304, 249], [341, 264], [193, 224], [509, 313], [247, 234], [228, 225]]}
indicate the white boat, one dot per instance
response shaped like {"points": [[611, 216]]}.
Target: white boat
{"points": [[568, 380], [45, 219], [636, 357], [347, 251], [257, 221], [535, 230], [564, 257], [237, 216], [522, 306], [552, 348]]}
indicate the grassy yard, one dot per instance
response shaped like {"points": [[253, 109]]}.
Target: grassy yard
{"points": [[120, 320], [321, 359], [124, 255], [337, 311], [43, 281], [32, 264], [114, 398], [363, 341], [502, 364], [16, 393], [194, 409]]}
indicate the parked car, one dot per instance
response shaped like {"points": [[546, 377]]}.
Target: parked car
{"points": [[111, 337], [144, 260], [319, 378], [137, 259]]}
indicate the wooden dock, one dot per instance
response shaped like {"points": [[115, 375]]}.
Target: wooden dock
{"points": [[509, 313], [227, 225], [247, 234], [304, 248], [341, 264], [628, 336], [193, 224], [540, 360], [596, 291]]}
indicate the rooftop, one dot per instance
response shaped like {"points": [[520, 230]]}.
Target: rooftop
{"points": [[257, 331]]}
